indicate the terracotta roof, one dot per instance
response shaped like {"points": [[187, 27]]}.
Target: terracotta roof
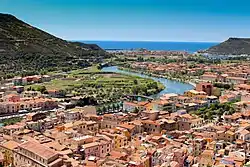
{"points": [[237, 78], [52, 91], [157, 137], [143, 103], [183, 97], [207, 75], [244, 132], [244, 86], [94, 144], [11, 145], [247, 113], [117, 155], [55, 145], [127, 126], [16, 126], [230, 132], [208, 152], [38, 149], [234, 116], [137, 122], [188, 116], [174, 164], [150, 122]]}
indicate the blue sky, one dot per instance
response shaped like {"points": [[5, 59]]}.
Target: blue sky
{"points": [[136, 20]]}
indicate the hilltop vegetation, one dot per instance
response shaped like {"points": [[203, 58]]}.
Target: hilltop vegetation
{"points": [[232, 46], [26, 50]]}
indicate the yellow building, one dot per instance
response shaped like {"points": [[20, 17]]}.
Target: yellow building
{"points": [[120, 141], [206, 158], [7, 149], [146, 162], [192, 93]]}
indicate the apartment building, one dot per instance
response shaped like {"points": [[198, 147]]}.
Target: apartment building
{"points": [[36, 155], [112, 120]]}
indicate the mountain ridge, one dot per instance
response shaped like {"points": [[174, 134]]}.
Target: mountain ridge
{"points": [[232, 46], [27, 48]]}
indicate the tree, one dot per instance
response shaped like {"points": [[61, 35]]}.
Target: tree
{"points": [[62, 93], [135, 82], [245, 106], [113, 106], [98, 110], [41, 89], [104, 109], [136, 110]]}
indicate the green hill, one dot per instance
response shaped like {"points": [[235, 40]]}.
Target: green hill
{"points": [[26, 49], [232, 46]]}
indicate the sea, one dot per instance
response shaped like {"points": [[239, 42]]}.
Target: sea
{"points": [[190, 47]]}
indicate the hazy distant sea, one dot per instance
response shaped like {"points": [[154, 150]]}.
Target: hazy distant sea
{"points": [[174, 46]]}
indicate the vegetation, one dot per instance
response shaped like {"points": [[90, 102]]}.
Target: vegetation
{"points": [[223, 85], [106, 108], [11, 121], [190, 59], [103, 88], [232, 46], [180, 76], [216, 110], [39, 88], [125, 62], [26, 50]]}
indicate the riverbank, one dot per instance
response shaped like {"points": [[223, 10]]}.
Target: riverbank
{"points": [[158, 75], [171, 86], [99, 87]]}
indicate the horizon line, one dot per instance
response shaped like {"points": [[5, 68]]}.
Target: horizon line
{"points": [[94, 40]]}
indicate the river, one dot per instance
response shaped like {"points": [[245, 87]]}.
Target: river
{"points": [[171, 86]]}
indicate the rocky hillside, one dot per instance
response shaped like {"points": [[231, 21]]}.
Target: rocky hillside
{"points": [[232, 46], [24, 48]]}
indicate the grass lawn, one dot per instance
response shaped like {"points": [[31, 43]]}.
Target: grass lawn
{"points": [[105, 88], [79, 72]]}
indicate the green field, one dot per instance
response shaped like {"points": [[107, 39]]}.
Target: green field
{"points": [[103, 87]]}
